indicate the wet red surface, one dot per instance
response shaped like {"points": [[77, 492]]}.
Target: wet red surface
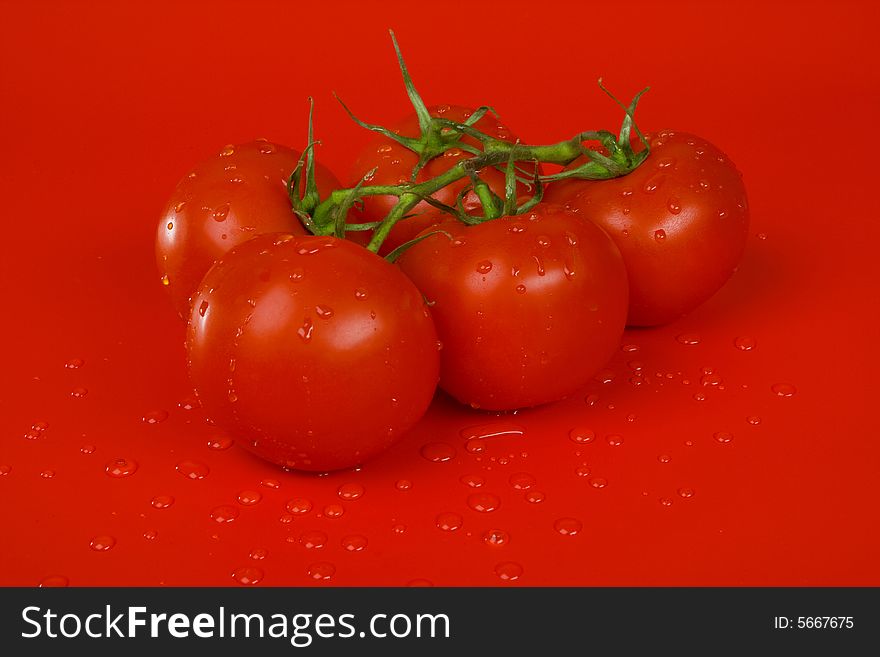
{"points": [[736, 446]]}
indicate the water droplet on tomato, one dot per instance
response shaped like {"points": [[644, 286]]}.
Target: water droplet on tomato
{"points": [[74, 363], [121, 467], [305, 331], [614, 440], [745, 343], [521, 480], [220, 443], [509, 571], [162, 501], [220, 212], [666, 501], [685, 492], [155, 417], [79, 392], [711, 380], [403, 484], [535, 496], [484, 267], [47, 474], [5, 470], [660, 235], [753, 420], [664, 458], [299, 506], [472, 480], [350, 491], [521, 289], [354, 542], [313, 540], [178, 208], [102, 543], [87, 449], [723, 437], [783, 389], [248, 576], [496, 537], [483, 502], [598, 482], [448, 521], [249, 497], [227, 150], [258, 554], [438, 452], [193, 469], [321, 571]]}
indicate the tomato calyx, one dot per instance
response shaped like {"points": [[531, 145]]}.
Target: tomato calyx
{"points": [[614, 158]]}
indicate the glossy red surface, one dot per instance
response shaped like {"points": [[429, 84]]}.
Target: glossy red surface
{"points": [[736, 446]]}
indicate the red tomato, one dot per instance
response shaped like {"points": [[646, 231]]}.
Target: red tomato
{"points": [[680, 221], [316, 353], [394, 164], [226, 200], [527, 308]]}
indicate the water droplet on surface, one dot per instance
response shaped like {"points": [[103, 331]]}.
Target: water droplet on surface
{"points": [[568, 526], [354, 542], [155, 417], [178, 208], [582, 435], [472, 480], [582, 470], [666, 501], [745, 343], [5, 470], [193, 469], [48, 474], [711, 380], [162, 501], [220, 443], [151, 534], [203, 308], [399, 528], [248, 576], [249, 497], [535, 496], [483, 502], [121, 467], [615, 440], [783, 389], [258, 554], [664, 458], [324, 312], [509, 571], [102, 543], [74, 363], [403, 484], [227, 150], [685, 492], [753, 420], [660, 235], [322, 571], [305, 331], [688, 338], [299, 506], [54, 581], [438, 452], [333, 511], [484, 267], [351, 491], [520, 289], [521, 480], [723, 437], [224, 513], [448, 521], [598, 482], [313, 540], [496, 537], [79, 392], [87, 449]]}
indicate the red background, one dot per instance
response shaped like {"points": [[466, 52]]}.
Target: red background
{"points": [[105, 106]]}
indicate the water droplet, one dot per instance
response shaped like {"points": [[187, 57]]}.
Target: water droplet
{"points": [[582, 435], [87, 449], [761, 236], [248, 576], [224, 513], [220, 443], [178, 208], [151, 534], [598, 482], [783, 389], [484, 267], [48, 474], [54, 581], [299, 505], [496, 537], [258, 554], [521, 480], [688, 338], [162, 501], [509, 571], [745, 343], [615, 440], [438, 452], [685, 492], [313, 540], [483, 502], [323, 570], [155, 417], [351, 491], [520, 289], [403, 484], [582, 470], [699, 396], [5, 470], [535, 496], [227, 150], [333, 511], [220, 212], [723, 437], [472, 480], [79, 392], [102, 543], [121, 467], [193, 469], [249, 497], [711, 380], [305, 331], [664, 458], [568, 526], [666, 501], [660, 235], [753, 420], [164, 280], [74, 363], [449, 521], [354, 542], [399, 528], [324, 312]]}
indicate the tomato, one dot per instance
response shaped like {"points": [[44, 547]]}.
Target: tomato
{"points": [[314, 352], [680, 221], [527, 308], [394, 164], [239, 193]]}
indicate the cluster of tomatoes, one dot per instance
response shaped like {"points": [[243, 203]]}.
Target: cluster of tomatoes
{"points": [[506, 287]]}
